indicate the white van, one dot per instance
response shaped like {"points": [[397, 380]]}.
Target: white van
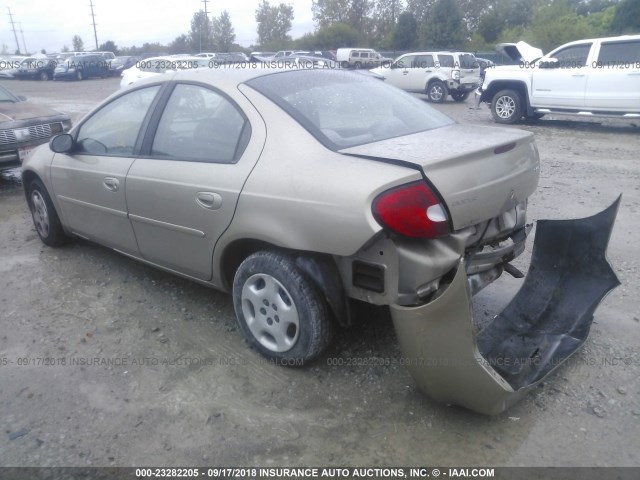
{"points": [[360, 58]]}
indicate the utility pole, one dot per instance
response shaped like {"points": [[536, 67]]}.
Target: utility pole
{"points": [[24, 44], [13, 25], [206, 31], [93, 18]]}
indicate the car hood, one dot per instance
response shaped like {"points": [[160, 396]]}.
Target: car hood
{"points": [[519, 52], [24, 111], [480, 172]]}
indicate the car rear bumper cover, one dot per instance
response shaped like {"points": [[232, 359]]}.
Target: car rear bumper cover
{"points": [[547, 321]]}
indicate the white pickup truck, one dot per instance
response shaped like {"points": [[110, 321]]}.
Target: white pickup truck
{"points": [[596, 77]]}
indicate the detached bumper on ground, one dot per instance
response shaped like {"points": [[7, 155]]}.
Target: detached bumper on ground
{"points": [[546, 322]]}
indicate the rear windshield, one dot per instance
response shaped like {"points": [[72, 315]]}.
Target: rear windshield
{"points": [[344, 109]]}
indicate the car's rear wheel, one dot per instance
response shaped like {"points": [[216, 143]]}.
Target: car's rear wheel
{"points": [[506, 106], [79, 75], [281, 312], [459, 96], [44, 76], [45, 217], [437, 91]]}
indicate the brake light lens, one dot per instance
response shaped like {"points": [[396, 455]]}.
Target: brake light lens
{"points": [[411, 210]]}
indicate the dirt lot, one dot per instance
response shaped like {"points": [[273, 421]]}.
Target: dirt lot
{"points": [[156, 373]]}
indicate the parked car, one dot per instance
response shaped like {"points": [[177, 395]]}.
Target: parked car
{"points": [[438, 74], [597, 77], [82, 67], [121, 63], [9, 65], [361, 58], [24, 126], [154, 66], [200, 173], [35, 68]]}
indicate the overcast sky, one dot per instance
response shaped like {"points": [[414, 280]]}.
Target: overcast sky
{"points": [[51, 24]]}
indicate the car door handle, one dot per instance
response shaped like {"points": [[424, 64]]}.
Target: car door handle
{"points": [[578, 75], [634, 73], [428, 71], [406, 72], [210, 200], [111, 184]]}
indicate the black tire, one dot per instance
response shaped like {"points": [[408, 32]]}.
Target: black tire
{"points": [[345, 64], [506, 106], [357, 65], [281, 313], [437, 91], [79, 75], [460, 96], [44, 76], [45, 217]]}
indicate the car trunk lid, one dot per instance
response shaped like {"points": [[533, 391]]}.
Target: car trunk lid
{"points": [[480, 172]]}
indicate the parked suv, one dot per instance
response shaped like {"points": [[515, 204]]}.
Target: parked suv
{"points": [[437, 74], [360, 58], [80, 67], [596, 77]]}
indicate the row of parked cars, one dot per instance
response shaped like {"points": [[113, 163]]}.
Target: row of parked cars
{"points": [[66, 66]]}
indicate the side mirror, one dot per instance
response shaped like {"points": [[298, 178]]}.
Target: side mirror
{"points": [[22, 98], [550, 63], [62, 143]]}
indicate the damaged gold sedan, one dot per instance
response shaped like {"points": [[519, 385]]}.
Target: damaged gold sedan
{"points": [[299, 191]]}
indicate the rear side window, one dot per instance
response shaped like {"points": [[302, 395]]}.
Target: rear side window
{"points": [[446, 61], [199, 125], [619, 53], [113, 130]]}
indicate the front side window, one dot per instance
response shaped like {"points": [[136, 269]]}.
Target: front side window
{"points": [[406, 61], [424, 61], [573, 57], [199, 125], [113, 130]]}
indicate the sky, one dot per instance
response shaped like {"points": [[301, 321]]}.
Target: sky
{"points": [[52, 24]]}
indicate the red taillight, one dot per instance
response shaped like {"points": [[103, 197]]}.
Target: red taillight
{"points": [[411, 210]]}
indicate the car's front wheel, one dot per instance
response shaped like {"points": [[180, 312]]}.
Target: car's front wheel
{"points": [[357, 65], [79, 75], [281, 312], [437, 91], [506, 106], [44, 76], [44, 215]]}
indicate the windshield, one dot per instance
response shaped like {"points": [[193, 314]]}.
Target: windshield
{"points": [[7, 96], [344, 109]]}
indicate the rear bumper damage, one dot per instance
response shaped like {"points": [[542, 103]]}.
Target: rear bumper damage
{"points": [[545, 323]]}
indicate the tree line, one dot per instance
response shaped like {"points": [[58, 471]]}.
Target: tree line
{"points": [[409, 24]]}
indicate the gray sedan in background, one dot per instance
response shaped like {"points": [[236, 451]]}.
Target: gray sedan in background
{"points": [[302, 191]]}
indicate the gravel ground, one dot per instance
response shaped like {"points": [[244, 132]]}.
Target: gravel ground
{"points": [[156, 373]]}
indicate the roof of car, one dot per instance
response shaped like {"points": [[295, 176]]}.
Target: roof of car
{"points": [[225, 75]]}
